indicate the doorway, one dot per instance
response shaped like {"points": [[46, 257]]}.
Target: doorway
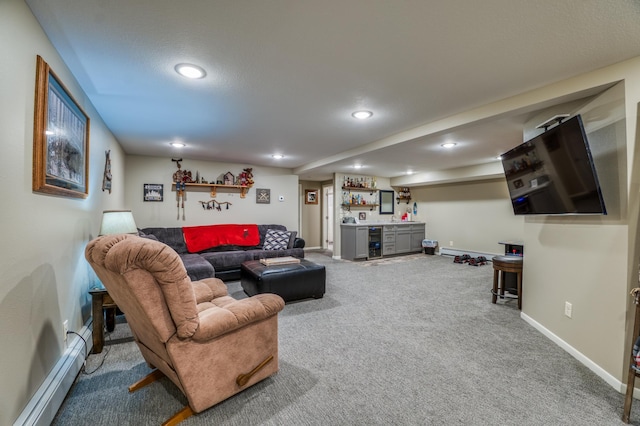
{"points": [[327, 217]]}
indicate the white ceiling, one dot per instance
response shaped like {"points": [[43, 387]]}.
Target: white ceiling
{"points": [[284, 76]]}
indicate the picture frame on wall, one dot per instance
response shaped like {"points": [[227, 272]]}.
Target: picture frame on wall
{"points": [[311, 196], [153, 192], [60, 138], [263, 196]]}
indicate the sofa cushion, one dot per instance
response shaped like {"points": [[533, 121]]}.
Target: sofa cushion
{"points": [[170, 236], [197, 267], [277, 240], [227, 259], [262, 230]]}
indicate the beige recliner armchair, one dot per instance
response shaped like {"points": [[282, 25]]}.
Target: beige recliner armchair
{"points": [[209, 344]]}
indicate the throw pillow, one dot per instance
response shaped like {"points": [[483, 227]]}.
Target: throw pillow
{"points": [[276, 240]]}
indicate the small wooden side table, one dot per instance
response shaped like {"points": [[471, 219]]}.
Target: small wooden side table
{"points": [[102, 305]]}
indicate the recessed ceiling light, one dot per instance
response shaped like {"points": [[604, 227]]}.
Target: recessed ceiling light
{"points": [[409, 172], [278, 156], [190, 71], [362, 115], [177, 144], [448, 145], [357, 166]]}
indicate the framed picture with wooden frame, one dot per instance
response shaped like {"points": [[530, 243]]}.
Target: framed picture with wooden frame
{"points": [[311, 196], [60, 138]]}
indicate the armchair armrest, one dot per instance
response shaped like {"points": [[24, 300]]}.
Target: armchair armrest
{"points": [[217, 321]]}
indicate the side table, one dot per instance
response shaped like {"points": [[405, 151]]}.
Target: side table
{"points": [[101, 305]]}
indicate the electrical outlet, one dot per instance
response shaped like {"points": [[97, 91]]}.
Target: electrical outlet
{"points": [[65, 329], [567, 309], [451, 243]]}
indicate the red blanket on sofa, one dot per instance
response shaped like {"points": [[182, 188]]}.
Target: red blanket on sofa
{"points": [[200, 238]]}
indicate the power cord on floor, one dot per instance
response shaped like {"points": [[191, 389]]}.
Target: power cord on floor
{"points": [[86, 354]]}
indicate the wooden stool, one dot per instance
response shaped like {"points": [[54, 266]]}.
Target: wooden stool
{"points": [[501, 265]]}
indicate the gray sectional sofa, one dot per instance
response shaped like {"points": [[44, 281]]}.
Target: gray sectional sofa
{"points": [[223, 261]]}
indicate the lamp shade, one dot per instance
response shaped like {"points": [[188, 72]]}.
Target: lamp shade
{"points": [[117, 222]]}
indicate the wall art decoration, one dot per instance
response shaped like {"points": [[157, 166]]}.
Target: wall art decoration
{"points": [[263, 196], [60, 138], [153, 192], [106, 178], [311, 196]]}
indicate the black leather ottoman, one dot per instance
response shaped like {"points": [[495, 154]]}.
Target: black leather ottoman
{"points": [[292, 281]]}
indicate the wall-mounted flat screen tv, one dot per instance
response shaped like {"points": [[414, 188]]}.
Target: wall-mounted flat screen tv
{"points": [[554, 173]]}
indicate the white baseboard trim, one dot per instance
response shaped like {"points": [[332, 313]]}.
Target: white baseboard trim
{"points": [[599, 371], [446, 251], [46, 402]]}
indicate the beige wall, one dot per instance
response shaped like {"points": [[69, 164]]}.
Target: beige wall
{"points": [[45, 278], [475, 216], [590, 262], [583, 260], [311, 215], [140, 170]]}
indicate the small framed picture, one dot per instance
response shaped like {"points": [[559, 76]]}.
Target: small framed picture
{"points": [[362, 216], [311, 196], [263, 196], [153, 192]]}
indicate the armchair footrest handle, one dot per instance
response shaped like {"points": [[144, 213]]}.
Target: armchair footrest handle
{"points": [[243, 379]]}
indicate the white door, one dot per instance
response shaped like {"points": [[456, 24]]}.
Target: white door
{"points": [[327, 215]]}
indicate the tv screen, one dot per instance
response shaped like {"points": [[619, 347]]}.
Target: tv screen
{"points": [[554, 173]]}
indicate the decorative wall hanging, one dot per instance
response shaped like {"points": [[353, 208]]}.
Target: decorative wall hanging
{"points": [[181, 178], [60, 138], [181, 195], [213, 204], [153, 192], [311, 196], [263, 196], [106, 179]]}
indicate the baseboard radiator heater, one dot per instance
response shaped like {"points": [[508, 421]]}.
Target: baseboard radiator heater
{"points": [[446, 251], [43, 406]]}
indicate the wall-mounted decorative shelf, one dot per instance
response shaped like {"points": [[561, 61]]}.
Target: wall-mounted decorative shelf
{"points": [[371, 191], [370, 206], [404, 194], [213, 187]]}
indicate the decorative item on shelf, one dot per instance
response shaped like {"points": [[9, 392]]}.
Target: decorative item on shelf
{"points": [[245, 178], [229, 179], [182, 176], [214, 204], [404, 195], [106, 179], [364, 182]]}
